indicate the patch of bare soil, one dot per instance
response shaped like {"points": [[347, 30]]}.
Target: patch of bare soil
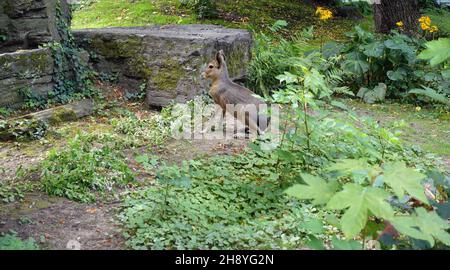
{"points": [[57, 223], [12, 158]]}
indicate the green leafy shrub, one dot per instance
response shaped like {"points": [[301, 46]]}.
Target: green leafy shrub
{"points": [[12, 191], [153, 129], [368, 195], [271, 57], [82, 4], [392, 60], [22, 129], [84, 167], [357, 167], [9, 194], [204, 9], [229, 203], [10, 241]]}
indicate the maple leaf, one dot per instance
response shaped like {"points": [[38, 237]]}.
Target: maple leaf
{"points": [[356, 168], [317, 189], [403, 179], [423, 225], [360, 201]]}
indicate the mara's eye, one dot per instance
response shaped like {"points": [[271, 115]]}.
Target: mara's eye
{"points": [[211, 66]]}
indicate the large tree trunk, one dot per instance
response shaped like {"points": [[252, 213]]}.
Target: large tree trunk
{"points": [[388, 12]]}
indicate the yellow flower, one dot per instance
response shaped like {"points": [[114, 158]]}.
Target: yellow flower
{"points": [[424, 26], [425, 19], [418, 109], [400, 24], [324, 13], [425, 23], [434, 29]]}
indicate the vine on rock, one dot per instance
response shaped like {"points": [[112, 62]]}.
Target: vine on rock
{"points": [[72, 77]]}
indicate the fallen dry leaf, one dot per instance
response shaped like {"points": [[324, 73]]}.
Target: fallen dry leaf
{"points": [[91, 210]]}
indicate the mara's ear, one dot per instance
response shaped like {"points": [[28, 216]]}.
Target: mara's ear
{"points": [[220, 58]]}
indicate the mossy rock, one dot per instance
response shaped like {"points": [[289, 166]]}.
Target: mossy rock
{"points": [[34, 125], [168, 59], [62, 114], [22, 129], [167, 77], [116, 48]]}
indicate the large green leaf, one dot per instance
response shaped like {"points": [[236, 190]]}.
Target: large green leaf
{"points": [[400, 47], [317, 189], [313, 225], [360, 201], [374, 49], [315, 81], [403, 179], [332, 49], [374, 95], [356, 63], [315, 243], [446, 73], [345, 245], [399, 74], [355, 167], [430, 93], [423, 225], [437, 52]]}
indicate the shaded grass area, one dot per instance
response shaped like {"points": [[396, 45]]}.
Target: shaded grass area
{"points": [[107, 13], [255, 15], [428, 128]]}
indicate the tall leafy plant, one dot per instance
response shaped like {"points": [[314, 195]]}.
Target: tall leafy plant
{"points": [[389, 59], [437, 52], [362, 192]]}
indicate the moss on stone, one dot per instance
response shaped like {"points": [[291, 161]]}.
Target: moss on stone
{"points": [[62, 114], [117, 48], [7, 7], [168, 76], [138, 67], [40, 61]]}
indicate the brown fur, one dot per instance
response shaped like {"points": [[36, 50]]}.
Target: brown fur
{"points": [[224, 91]]}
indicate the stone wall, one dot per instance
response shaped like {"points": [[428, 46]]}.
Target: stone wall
{"points": [[23, 72], [26, 24], [166, 60], [24, 68]]}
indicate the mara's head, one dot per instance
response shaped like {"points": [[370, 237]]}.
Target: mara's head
{"points": [[217, 67]]}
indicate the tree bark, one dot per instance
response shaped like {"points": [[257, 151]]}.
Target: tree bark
{"points": [[388, 12]]}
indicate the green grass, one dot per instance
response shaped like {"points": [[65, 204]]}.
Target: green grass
{"points": [[428, 127], [251, 14], [106, 13]]}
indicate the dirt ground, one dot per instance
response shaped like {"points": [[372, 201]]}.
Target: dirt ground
{"points": [[58, 223]]}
